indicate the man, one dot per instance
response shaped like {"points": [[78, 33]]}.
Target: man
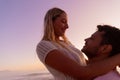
{"points": [[105, 42]]}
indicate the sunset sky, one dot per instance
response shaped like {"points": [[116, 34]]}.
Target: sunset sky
{"points": [[21, 26]]}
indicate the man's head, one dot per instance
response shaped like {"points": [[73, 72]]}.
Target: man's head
{"points": [[105, 41]]}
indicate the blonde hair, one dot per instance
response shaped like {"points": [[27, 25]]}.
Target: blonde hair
{"points": [[49, 33]]}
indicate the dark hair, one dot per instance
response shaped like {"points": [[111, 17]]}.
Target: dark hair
{"points": [[111, 36]]}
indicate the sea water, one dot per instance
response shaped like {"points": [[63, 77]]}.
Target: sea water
{"points": [[18, 75], [29, 75]]}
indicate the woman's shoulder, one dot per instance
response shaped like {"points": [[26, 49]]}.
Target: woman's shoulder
{"points": [[44, 42], [43, 48]]}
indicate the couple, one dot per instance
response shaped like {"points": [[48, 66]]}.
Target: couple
{"points": [[66, 62]]}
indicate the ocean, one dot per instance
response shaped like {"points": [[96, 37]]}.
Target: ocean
{"points": [[29, 75], [18, 75]]}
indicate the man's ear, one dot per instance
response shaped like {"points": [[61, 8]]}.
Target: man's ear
{"points": [[106, 48]]}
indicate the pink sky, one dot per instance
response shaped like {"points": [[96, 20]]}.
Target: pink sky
{"points": [[21, 23]]}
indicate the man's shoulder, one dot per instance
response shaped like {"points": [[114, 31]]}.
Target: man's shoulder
{"points": [[112, 75]]}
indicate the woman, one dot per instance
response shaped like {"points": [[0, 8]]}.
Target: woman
{"points": [[60, 57]]}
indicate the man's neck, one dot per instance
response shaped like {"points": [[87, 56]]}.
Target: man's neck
{"points": [[96, 58]]}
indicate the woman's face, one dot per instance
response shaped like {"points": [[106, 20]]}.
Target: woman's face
{"points": [[60, 25]]}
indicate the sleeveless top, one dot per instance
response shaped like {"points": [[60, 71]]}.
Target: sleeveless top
{"points": [[43, 49]]}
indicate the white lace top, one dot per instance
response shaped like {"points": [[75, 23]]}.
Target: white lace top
{"points": [[44, 47]]}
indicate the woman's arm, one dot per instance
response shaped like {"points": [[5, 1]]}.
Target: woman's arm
{"points": [[62, 63]]}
